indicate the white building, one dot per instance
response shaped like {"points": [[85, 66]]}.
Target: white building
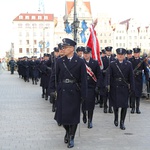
{"points": [[33, 34]]}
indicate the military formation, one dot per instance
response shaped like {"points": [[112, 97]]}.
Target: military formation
{"points": [[74, 83]]}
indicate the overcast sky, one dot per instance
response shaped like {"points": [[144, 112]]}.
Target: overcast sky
{"points": [[119, 9]]}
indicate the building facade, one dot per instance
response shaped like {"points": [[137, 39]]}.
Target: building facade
{"points": [[33, 34]]}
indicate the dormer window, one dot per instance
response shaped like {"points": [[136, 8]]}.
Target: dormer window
{"points": [[20, 17]]}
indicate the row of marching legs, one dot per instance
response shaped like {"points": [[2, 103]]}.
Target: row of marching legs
{"points": [[52, 99]]}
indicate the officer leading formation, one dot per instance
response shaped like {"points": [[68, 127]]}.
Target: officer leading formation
{"points": [[74, 83]]}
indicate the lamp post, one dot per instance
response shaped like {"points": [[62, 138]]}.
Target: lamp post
{"points": [[74, 25]]}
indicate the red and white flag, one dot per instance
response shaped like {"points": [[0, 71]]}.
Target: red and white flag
{"points": [[94, 45]]}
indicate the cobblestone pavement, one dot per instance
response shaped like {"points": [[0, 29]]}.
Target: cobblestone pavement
{"points": [[26, 123]]}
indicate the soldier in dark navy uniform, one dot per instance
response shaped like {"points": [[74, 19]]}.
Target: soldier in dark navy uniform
{"points": [[34, 69], [71, 89], [106, 62], [121, 83], [79, 51], [45, 67], [95, 83], [12, 65], [26, 69], [129, 54], [139, 65]]}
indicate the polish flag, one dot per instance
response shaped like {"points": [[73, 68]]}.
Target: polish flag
{"points": [[94, 44]]}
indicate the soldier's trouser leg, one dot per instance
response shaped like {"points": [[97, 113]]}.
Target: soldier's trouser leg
{"points": [[53, 105], [105, 104], [101, 101], [32, 80], [122, 118], [72, 131], [35, 80], [90, 117], [46, 94], [132, 104], [43, 92], [116, 116], [84, 116], [138, 105], [66, 138]]}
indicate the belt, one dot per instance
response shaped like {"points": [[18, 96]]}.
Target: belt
{"points": [[119, 79], [68, 81]]}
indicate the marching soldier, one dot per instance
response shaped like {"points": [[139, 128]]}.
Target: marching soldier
{"points": [[71, 89], [12, 65], [34, 69], [26, 69], [106, 62], [121, 83], [129, 54], [139, 65], [95, 83], [45, 68], [79, 51]]}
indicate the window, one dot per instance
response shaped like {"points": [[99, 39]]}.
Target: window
{"points": [[27, 34], [20, 17], [39, 17], [19, 25], [27, 42], [20, 50], [35, 50], [40, 25], [120, 37], [101, 41], [27, 50], [35, 42], [20, 42], [27, 25], [34, 25], [33, 17], [27, 17], [45, 17], [105, 41]]}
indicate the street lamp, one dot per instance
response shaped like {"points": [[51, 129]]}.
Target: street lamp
{"points": [[74, 25]]}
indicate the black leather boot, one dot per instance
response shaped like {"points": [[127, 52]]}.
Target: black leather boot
{"points": [[132, 110], [66, 137], [43, 92], [110, 110], [105, 104], [132, 105], [84, 117], [72, 131], [116, 116], [71, 141], [137, 105], [90, 117], [122, 118]]}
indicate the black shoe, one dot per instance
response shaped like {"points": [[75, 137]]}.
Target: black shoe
{"points": [[110, 110], [101, 105], [46, 98], [59, 124], [132, 111], [116, 123], [90, 125], [96, 102], [84, 118], [122, 127], [66, 138], [138, 111], [71, 142], [53, 109], [42, 95], [105, 110]]}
